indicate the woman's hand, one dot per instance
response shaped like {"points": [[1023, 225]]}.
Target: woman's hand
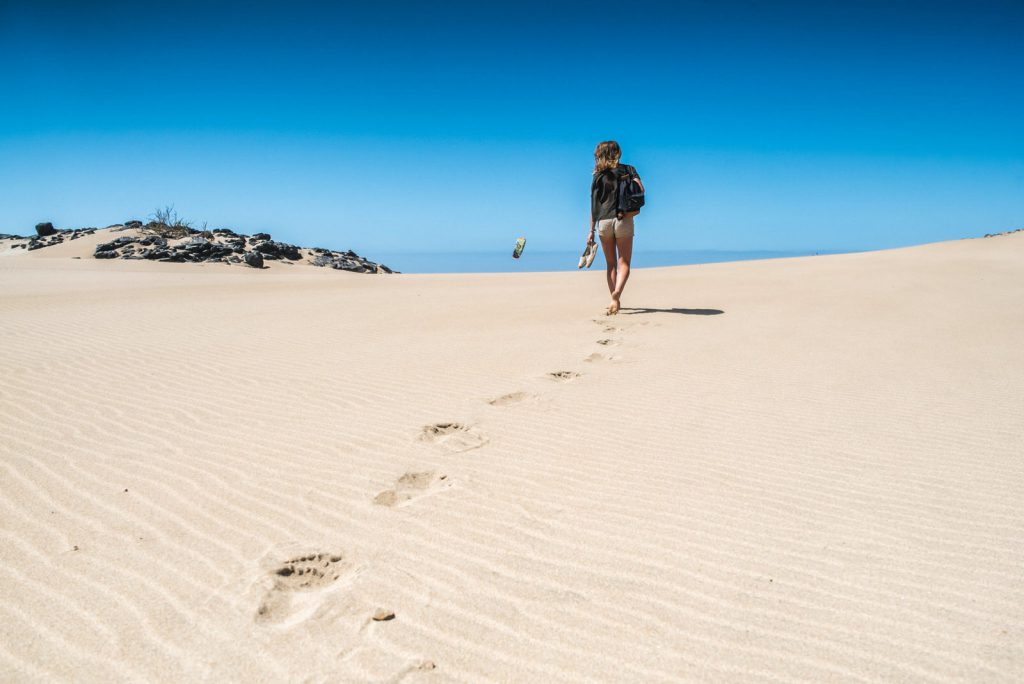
{"points": [[590, 235]]}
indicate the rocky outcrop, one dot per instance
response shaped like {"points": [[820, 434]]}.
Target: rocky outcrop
{"points": [[346, 261], [1006, 232], [47, 236], [160, 242]]}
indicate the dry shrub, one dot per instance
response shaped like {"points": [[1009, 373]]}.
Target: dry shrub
{"points": [[168, 224]]}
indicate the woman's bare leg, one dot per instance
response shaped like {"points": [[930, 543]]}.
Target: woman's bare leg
{"points": [[624, 245], [608, 245]]}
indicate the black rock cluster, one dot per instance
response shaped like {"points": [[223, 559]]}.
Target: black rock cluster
{"points": [[346, 261], [1006, 232], [160, 242], [221, 245], [47, 236]]}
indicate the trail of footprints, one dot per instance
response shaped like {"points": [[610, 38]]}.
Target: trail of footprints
{"points": [[606, 342], [317, 572]]}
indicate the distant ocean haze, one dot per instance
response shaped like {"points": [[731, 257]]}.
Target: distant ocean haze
{"points": [[494, 261]]}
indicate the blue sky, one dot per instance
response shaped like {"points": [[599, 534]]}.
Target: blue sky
{"points": [[383, 126]]}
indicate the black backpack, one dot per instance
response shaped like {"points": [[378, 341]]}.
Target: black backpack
{"points": [[631, 189]]}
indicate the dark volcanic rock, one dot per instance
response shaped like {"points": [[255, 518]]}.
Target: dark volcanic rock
{"points": [[220, 245], [278, 250], [197, 247], [348, 265], [114, 244], [347, 261]]}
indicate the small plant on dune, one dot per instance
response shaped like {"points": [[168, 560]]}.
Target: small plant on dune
{"points": [[168, 224]]}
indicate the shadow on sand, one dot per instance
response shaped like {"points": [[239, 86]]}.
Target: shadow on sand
{"points": [[632, 311]]}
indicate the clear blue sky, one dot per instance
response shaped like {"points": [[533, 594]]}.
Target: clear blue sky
{"points": [[376, 126]]}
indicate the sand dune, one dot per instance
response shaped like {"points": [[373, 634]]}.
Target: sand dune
{"points": [[801, 469]]}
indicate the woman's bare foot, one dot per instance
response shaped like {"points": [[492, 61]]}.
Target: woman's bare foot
{"points": [[613, 308]]}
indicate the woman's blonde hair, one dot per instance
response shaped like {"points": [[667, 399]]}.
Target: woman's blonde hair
{"points": [[606, 156]]}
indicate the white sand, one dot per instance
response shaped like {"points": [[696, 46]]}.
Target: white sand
{"points": [[215, 473]]}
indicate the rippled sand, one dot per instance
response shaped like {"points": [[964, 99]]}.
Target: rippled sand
{"points": [[802, 469]]}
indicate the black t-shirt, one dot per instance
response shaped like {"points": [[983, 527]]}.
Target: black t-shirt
{"points": [[604, 195]]}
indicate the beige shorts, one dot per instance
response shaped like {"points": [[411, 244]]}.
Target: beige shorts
{"points": [[613, 227]]}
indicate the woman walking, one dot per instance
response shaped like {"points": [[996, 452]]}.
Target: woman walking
{"points": [[615, 228]]}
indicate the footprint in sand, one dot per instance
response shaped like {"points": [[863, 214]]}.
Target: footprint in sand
{"points": [[511, 398], [608, 343], [454, 437], [595, 357], [411, 486], [310, 573], [564, 376]]}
